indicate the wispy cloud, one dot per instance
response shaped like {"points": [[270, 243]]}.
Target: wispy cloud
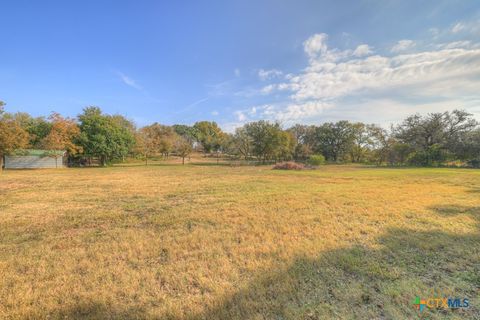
{"points": [[195, 103], [269, 74], [363, 50], [458, 27], [128, 81], [437, 76], [403, 45]]}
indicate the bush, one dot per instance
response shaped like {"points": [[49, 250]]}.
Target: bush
{"points": [[288, 166], [316, 160], [474, 163]]}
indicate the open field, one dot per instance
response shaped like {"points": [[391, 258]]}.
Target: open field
{"points": [[218, 242]]}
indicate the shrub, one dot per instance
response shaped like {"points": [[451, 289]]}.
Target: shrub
{"points": [[316, 160], [288, 166], [474, 163]]}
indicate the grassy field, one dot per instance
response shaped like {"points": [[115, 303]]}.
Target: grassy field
{"points": [[219, 242]]}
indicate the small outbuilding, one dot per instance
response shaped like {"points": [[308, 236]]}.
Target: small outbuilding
{"points": [[36, 159]]}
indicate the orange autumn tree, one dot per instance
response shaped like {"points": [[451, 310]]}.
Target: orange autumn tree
{"points": [[12, 135], [62, 136]]}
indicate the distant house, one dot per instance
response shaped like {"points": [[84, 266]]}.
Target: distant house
{"points": [[34, 159]]}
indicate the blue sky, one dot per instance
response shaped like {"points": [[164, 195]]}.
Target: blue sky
{"points": [[237, 61]]}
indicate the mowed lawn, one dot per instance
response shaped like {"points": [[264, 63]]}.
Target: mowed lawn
{"points": [[219, 242]]}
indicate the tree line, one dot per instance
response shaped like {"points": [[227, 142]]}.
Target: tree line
{"points": [[430, 140]]}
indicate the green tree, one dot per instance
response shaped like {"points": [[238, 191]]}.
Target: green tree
{"points": [[266, 139], [334, 140], [304, 141], [209, 135], [435, 135], [188, 132], [242, 143], [399, 153], [381, 144], [104, 136], [286, 145], [316, 160]]}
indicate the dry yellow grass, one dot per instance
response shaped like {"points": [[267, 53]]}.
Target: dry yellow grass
{"points": [[220, 242]]}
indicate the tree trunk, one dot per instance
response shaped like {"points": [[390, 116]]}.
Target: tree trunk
{"points": [[183, 160], [1, 162]]}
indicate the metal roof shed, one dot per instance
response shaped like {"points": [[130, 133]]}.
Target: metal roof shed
{"points": [[35, 159]]}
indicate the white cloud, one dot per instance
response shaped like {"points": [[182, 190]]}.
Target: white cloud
{"points": [[466, 27], [285, 113], [215, 113], [327, 80], [236, 72], [129, 81], [316, 45], [385, 111], [455, 44], [443, 74], [363, 50], [240, 115], [269, 74], [403, 45], [295, 111], [268, 89], [458, 27]]}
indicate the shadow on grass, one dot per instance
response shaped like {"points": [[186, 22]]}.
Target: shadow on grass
{"points": [[154, 164], [357, 282], [369, 283], [212, 164], [93, 310]]}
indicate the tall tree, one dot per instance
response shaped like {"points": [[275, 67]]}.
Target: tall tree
{"points": [[334, 140], [188, 132], [183, 147], [266, 139], [103, 136], [12, 135], [434, 135], [242, 142], [38, 128], [363, 143], [167, 139], [63, 135], [304, 140], [147, 142], [209, 135]]}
